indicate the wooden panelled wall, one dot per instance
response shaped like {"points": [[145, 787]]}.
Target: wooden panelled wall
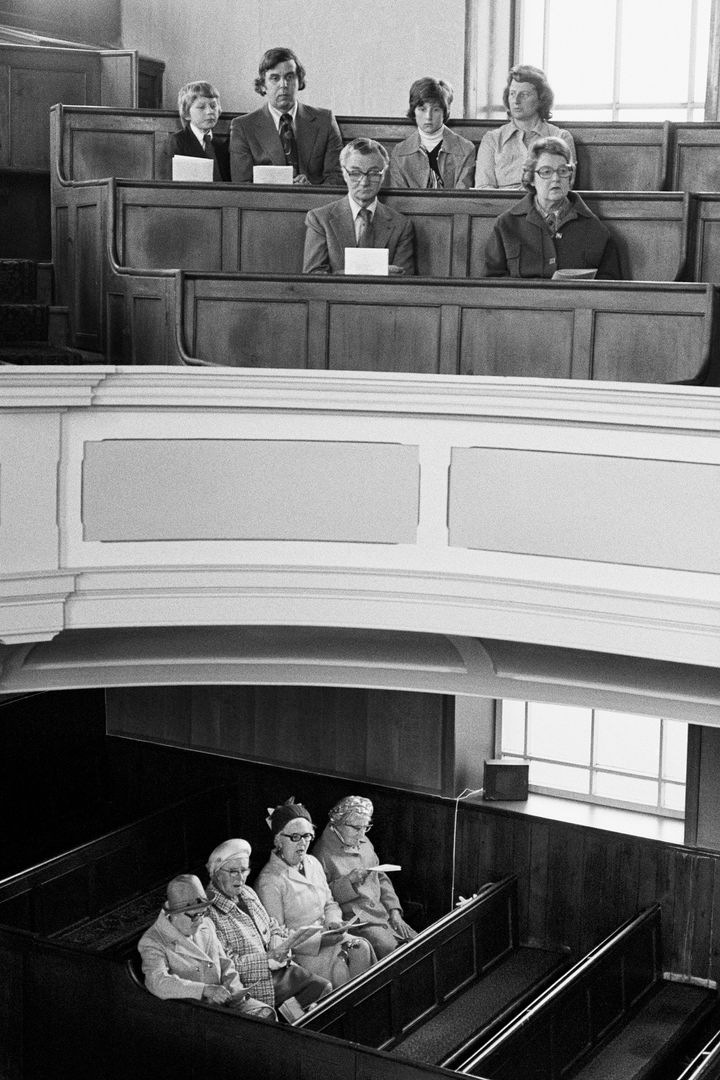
{"points": [[576, 884]]}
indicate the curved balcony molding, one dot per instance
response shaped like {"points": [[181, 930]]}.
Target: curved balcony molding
{"points": [[574, 515]]}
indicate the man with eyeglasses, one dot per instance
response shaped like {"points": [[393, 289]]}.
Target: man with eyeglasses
{"points": [[183, 958], [360, 219], [284, 131], [550, 232]]}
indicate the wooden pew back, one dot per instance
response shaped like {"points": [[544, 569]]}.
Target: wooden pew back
{"points": [[99, 876], [591, 330], [414, 983], [577, 1012], [228, 228], [36, 77], [611, 156], [695, 157], [72, 1012]]}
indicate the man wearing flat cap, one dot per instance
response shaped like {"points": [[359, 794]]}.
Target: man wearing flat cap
{"points": [[257, 944], [182, 957]]}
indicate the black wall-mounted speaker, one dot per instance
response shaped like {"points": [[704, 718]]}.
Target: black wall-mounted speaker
{"points": [[505, 781]]}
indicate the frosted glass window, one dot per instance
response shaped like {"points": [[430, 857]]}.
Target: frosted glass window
{"points": [[559, 777], [630, 743], [674, 750], [513, 727], [662, 37], [673, 797], [625, 788], [586, 73], [637, 61], [598, 755], [559, 731]]}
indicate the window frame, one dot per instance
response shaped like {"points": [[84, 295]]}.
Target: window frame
{"points": [[592, 769]]}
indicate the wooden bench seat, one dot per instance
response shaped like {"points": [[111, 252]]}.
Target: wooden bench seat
{"points": [[614, 1003], [427, 998], [663, 1022], [92, 143], [617, 331], [228, 228]]}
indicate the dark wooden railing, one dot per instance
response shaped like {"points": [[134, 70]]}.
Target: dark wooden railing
{"points": [[96, 878], [568, 1022], [706, 1063], [417, 981]]}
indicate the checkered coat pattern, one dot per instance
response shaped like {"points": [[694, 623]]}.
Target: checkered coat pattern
{"points": [[246, 938]]}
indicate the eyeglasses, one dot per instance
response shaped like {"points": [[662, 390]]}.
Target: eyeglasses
{"points": [[524, 95], [358, 828], [196, 914], [358, 174], [236, 871], [563, 171], [296, 837]]}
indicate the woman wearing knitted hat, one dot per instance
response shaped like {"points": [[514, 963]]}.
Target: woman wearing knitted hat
{"points": [[255, 942], [295, 892], [348, 859]]}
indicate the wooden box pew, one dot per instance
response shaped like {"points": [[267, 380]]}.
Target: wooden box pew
{"points": [[704, 237], [103, 894], [70, 1012], [706, 1063], [261, 230], [617, 331], [611, 156], [612, 1015], [467, 970], [234, 228], [36, 77], [91, 143], [694, 157]]}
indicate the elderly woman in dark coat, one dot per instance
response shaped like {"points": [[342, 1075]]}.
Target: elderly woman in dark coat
{"points": [[551, 228], [349, 860]]}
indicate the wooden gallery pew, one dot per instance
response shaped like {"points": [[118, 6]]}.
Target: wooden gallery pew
{"points": [[612, 1015], [71, 1012], [704, 237], [261, 230], [234, 228], [466, 971], [706, 1063], [617, 331], [95, 143], [694, 157]]}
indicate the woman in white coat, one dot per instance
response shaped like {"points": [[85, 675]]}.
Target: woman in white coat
{"points": [[294, 890]]}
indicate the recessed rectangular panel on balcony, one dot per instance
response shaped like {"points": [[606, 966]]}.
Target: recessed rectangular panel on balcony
{"points": [[232, 489]]}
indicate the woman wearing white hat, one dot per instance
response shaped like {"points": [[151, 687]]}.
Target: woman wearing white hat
{"points": [[255, 942]]}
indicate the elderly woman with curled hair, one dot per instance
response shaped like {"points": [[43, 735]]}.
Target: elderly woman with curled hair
{"points": [[349, 860], [551, 230], [528, 100], [294, 890], [199, 108], [256, 943], [433, 156]]}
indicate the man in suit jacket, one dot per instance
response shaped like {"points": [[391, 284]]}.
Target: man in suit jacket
{"points": [[199, 107], [284, 132], [339, 225]]}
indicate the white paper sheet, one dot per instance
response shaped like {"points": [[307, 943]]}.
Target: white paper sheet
{"points": [[367, 261], [272, 174], [196, 169]]}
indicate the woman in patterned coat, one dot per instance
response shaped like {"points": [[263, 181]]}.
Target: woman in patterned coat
{"points": [[256, 943]]}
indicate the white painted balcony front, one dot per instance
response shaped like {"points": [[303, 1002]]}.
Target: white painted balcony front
{"points": [[547, 514]]}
